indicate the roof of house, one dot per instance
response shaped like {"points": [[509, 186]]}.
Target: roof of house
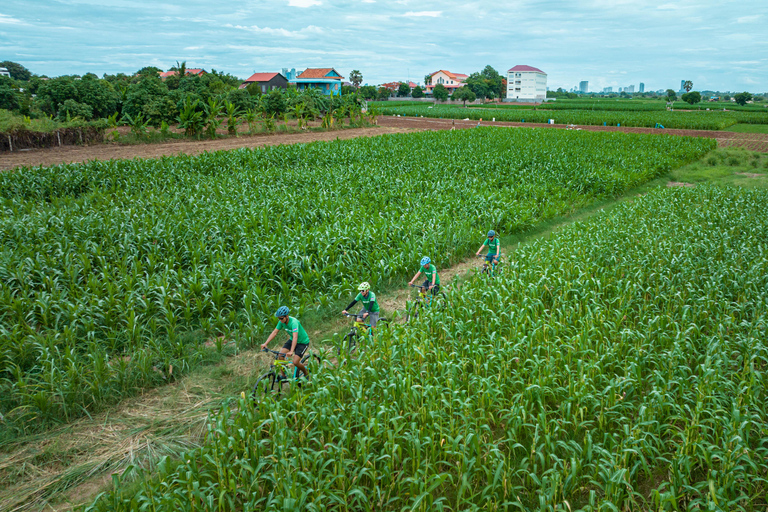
{"points": [[261, 77], [525, 68], [191, 71], [455, 76], [396, 85], [320, 73]]}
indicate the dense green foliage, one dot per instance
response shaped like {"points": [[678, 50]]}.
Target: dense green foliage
{"points": [[700, 120], [108, 266], [12, 123], [619, 365]]}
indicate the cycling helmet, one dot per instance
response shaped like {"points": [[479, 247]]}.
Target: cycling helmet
{"points": [[491, 233], [282, 311], [364, 286], [425, 261]]}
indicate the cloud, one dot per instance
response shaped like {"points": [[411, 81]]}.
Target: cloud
{"points": [[749, 19], [190, 48], [303, 3], [8, 20], [423, 14], [298, 34]]}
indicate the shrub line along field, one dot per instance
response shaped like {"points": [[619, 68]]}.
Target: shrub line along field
{"points": [[619, 364]]}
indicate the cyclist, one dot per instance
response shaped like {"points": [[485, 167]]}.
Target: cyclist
{"points": [[297, 344], [494, 248], [370, 305], [430, 272]]}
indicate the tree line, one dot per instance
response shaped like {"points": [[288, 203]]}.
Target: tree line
{"points": [[196, 102]]}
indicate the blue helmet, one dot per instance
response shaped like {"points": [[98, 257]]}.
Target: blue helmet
{"points": [[282, 311], [491, 233], [425, 261]]}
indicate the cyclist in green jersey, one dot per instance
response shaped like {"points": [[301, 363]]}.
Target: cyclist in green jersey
{"points": [[494, 248], [370, 305], [298, 342], [430, 272]]}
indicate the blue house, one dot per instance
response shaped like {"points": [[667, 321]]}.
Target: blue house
{"points": [[327, 80]]}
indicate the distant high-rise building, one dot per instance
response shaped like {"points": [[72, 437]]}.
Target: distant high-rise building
{"points": [[607, 89], [584, 86], [642, 87], [682, 85], [631, 88]]}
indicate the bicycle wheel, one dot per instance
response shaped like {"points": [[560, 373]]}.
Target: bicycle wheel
{"points": [[438, 302], [349, 343], [412, 312], [267, 386], [312, 362]]}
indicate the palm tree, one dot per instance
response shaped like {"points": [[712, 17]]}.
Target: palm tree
{"points": [[181, 69], [356, 77], [688, 85]]}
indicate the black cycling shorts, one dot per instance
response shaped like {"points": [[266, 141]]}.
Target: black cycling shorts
{"points": [[434, 289], [300, 348]]}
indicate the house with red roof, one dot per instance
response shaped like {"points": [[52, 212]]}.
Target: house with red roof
{"points": [[526, 83], [450, 81], [266, 81], [395, 86], [190, 71], [326, 80]]}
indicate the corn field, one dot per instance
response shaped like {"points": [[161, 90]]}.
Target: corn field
{"points": [[701, 120], [618, 365], [116, 275]]}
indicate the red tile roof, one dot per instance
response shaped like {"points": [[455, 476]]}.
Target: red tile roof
{"points": [[455, 76], [319, 73], [525, 68], [261, 77], [195, 71]]}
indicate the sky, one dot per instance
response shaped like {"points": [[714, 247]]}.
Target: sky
{"points": [[717, 45]]}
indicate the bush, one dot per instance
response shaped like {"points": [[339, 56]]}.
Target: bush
{"points": [[71, 109]]}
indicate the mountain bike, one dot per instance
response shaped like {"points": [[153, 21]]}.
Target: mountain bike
{"points": [[357, 331], [489, 268], [426, 300], [281, 374]]}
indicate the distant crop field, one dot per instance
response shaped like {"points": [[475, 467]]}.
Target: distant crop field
{"points": [[699, 120]]}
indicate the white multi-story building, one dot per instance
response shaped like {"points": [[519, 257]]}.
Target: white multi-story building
{"points": [[526, 83]]}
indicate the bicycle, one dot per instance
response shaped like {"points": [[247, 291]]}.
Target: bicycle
{"points": [[273, 383], [352, 339], [487, 268], [428, 300]]}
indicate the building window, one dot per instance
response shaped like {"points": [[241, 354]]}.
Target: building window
{"points": [[263, 88]]}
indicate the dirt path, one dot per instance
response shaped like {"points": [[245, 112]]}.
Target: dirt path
{"points": [[751, 141], [69, 154]]}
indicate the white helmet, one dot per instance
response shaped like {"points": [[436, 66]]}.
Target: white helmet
{"points": [[364, 286]]}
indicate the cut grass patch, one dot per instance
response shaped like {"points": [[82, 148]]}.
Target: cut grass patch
{"points": [[748, 128], [727, 166]]}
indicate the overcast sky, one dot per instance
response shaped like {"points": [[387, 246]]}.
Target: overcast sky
{"points": [[718, 45]]}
